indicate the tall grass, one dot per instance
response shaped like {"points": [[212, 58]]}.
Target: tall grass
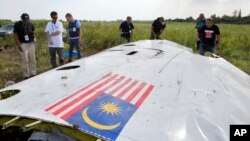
{"points": [[235, 45]]}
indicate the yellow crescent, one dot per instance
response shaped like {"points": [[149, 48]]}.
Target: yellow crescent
{"points": [[97, 125]]}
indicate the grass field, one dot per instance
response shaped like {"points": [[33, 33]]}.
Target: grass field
{"points": [[235, 46]]}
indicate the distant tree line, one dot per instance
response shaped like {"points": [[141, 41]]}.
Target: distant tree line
{"points": [[235, 18]]}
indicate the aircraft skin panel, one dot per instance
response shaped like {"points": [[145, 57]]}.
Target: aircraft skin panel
{"points": [[146, 90]]}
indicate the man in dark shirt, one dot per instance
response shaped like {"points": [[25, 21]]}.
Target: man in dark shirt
{"points": [[24, 37], [209, 37], [126, 29], [158, 27]]}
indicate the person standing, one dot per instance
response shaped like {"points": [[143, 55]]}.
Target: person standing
{"points": [[201, 21], [157, 28], [74, 28], [209, 35], [126, 29], [24, 35], [54, 30]]}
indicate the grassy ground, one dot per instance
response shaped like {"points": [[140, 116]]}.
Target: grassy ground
{"points": [[235, 46]]}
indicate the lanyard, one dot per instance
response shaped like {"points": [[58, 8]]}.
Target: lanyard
{"points": [[53, 26]]}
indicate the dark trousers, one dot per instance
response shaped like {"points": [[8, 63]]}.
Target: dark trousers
{"points": [[125, 39], [53, 51], [74, 43], [198, 44], [205, 47], [153, 37], [198, 41]]}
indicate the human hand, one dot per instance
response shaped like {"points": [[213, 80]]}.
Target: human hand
{"points": [[55, 33], [217, 43], [20, 49], [50, 42], [198, 39], [19, 44]]}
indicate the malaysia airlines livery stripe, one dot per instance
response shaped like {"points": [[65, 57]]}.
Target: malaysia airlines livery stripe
{"points": [[69, 96], [127, 89]]}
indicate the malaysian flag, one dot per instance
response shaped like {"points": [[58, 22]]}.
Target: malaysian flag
{"points": [[104, 106]]}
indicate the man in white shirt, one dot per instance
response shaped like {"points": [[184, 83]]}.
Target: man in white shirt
{"points": [[54, 30]]}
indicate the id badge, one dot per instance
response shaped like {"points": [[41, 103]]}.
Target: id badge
{"points": [[26, 38], [74, 29]]}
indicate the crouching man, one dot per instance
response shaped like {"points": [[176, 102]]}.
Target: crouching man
{"points": [[210, 37]]}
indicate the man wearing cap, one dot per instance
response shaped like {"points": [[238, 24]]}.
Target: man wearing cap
{"points": [[54, 30], [157, 28], [24, 37], [74, 28], [209, 35]]}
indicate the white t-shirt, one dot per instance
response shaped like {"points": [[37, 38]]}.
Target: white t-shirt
{"points": [[56, 40]]}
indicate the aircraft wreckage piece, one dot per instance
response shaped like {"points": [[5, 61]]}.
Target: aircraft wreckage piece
{"points": [[145, 91]]}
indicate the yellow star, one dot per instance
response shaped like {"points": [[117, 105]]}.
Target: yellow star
{"points": [[110, 108]]}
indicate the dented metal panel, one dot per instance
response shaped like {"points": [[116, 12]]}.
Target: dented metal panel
{"points": [[147, 90]]}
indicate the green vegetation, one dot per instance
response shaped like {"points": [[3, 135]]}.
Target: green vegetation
{"points": [[7, 94], [235, 46]]}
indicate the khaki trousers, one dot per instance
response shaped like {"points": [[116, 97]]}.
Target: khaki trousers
{"points": [[28, 59]]}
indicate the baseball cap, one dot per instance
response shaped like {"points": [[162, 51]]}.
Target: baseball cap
{"points": [[210, 19], [25, 16]]}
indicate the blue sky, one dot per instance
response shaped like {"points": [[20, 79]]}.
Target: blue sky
{"points": [[119, 9]]}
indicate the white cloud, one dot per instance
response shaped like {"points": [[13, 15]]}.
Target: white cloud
{"points": [[119, 9]]}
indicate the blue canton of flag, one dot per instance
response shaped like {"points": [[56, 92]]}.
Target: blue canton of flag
{"points": [[106, 116]]}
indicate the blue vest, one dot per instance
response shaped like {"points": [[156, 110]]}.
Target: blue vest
{"points": [[200, 23], [73, 30]]}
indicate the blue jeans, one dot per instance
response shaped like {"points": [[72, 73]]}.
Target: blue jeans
{"points": [[74, 43], [198, 42], [204, 47]]}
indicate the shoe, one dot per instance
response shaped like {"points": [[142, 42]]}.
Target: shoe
{"points": [[24, 78]]}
